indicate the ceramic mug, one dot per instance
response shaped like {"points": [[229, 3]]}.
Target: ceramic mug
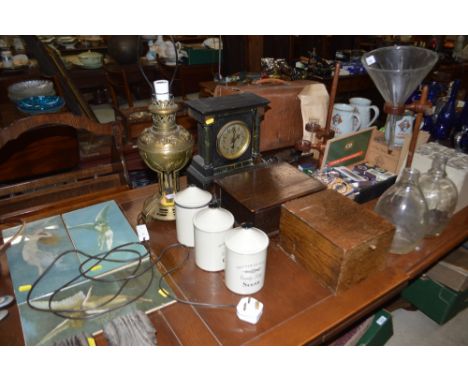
{"points": [[403, 127], [345, 119], [363, 107]]}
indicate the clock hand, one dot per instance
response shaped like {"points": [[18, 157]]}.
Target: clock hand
{"points": [[233, 140]]}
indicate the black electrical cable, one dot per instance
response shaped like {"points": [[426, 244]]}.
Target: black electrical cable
{"points": [[112, 298], [82, 313], [176, 62], [220, 45], [62, 312], [178, 266], [77, 314]]}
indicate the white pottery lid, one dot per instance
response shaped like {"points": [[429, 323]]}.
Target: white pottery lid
{"points": [[213, 219], [192, 197], [246, 240], [90, 54]]}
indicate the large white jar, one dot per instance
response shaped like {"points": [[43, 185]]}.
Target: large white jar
{"points": [[246, 253], [187, 203], [211, 226]]}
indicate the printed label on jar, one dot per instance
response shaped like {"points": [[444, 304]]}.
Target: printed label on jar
{"points": [[251, 275], [222, 248]]}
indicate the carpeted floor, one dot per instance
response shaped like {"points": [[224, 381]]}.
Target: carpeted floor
{"points": [[415, 328]]}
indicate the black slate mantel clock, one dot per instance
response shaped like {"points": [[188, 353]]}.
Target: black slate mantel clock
{"points": [[228, 135]]}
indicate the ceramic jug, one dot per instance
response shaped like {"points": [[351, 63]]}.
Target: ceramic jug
{"points": [[7, 59], [403, 127], [364, 106], [344, 119], [167, 50], [151, 54]]}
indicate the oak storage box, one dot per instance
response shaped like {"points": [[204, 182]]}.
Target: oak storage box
{"points": [[337, 240], [256, 195]]}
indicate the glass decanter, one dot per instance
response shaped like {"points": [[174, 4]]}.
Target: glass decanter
{"points": [[460, 136], [461, 140], [447, 117], [404, 206], [441, 195]]}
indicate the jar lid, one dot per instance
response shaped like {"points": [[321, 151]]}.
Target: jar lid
{"points": [[247, 240], [192, 197], [90, 54], [213, 220]]}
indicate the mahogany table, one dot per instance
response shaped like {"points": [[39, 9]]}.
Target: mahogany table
{"points": [[297, 309]]}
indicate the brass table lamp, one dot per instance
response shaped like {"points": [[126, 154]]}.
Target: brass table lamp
{"points": [[166, 148]]}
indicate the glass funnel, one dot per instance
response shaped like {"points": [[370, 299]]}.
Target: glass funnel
{"points": [[396, 72]]}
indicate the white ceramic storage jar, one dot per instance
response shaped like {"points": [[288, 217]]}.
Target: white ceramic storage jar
{"points": [[211, 226], [246, 253], [187, 203]]}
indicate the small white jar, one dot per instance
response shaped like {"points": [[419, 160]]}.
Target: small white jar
{"points": [[211, 226], [246, 253], [187, 203]]}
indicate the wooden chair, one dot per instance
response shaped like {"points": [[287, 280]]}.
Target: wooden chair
{"points": [[134, 119], [118, 83], [79, 181]]}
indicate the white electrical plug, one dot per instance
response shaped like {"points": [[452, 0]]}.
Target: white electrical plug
{"points": [[142, 232], [249, 309]]}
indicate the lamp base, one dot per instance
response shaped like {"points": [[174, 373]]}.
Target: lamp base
{"points": [[158, 207]]}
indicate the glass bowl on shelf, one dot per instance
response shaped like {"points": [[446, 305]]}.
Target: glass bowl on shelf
{"points": [[40, 104], [30, 88]]}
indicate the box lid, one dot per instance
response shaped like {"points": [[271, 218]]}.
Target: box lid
{"points": [[211, 105], [452, 271], [339, 219], [266, 187]]}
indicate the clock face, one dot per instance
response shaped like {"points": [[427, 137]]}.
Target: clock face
{"points": [[233, 140]]}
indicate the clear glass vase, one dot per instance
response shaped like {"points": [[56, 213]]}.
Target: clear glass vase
{"points": [[441, 195], [404, 206]]}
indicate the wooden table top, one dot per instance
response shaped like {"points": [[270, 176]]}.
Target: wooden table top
{"points": [[297, 309]]}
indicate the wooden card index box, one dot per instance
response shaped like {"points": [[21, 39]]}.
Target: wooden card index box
{"points": [[256, 195], [336, 239]]}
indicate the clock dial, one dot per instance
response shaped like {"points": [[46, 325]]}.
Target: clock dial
{"points": [[233, 140]]}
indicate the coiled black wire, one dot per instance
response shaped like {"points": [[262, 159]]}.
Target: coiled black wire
{"points": [[77, 314], [80, 314]]}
